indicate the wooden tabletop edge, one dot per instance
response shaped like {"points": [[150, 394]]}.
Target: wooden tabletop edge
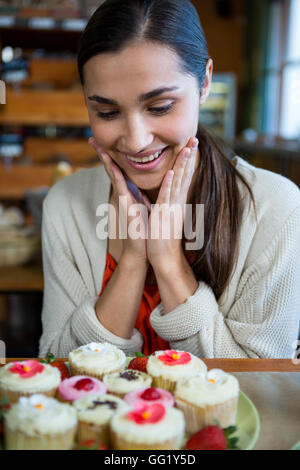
{"points": [[229, 365]]}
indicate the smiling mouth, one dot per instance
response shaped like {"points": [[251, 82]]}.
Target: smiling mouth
{"points": [[155, 156]]}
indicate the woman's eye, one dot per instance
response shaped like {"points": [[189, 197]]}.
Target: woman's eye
{"points": [[158, 111], [161, 110], [107, 116]]}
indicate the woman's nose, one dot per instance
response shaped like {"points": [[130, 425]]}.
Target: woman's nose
{"points": [[136, 136]]}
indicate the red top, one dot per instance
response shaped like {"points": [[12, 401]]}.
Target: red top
{"points": [[150, 300]]}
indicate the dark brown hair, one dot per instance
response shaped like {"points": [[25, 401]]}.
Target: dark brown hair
{"points": [[175, 23]]}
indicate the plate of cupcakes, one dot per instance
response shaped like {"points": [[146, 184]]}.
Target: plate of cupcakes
{"points": [[166, 401]]}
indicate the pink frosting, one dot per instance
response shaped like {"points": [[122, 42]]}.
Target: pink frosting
{"points": [[135, 396], [68, 392]]}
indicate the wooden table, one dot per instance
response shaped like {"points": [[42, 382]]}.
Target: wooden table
{"points": [[237, 365]]}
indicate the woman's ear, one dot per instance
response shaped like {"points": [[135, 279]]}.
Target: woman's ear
{"points": [[207, 85]]}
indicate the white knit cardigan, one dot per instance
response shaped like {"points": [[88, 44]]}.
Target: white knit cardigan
{"points": [[257, 316]]}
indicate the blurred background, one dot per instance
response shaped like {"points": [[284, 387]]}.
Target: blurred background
{"points": [[254, 106]]}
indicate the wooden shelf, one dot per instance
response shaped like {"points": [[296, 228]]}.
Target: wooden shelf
{"points": [[37, 108], [15, 180], [42, 150], [60, 73], [27, 278]]}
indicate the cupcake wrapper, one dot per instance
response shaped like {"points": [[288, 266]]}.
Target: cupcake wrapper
{"points": [[197, 417], [119, 395], [18, 440], [62, 400], [82, 371], [98, 432], [119, 443], [161, 382], [14, 396]]}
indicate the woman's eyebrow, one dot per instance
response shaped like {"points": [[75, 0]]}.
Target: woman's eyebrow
{"points": [[141, 98]]}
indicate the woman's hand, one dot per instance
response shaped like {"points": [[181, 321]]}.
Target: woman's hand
{"points": [[166, 221], [135, 248]]}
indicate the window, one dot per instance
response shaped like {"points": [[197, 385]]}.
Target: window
{"points": [[281, 115]]}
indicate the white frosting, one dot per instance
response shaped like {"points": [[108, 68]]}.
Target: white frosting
{"points": [[48, 379], [100, 414], [98, 357], [117, 384], [39, 414], [157, 368], [214, 388], [172, 425]]}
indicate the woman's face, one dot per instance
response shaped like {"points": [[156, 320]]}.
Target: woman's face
{"points": [[139, 101]]}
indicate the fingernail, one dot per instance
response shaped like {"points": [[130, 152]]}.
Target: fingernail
{"points": [[187, 153], [195, 143]]}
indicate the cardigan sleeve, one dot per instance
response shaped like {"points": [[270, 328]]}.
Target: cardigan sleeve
{"points": [[68, 316], [263, 321]]}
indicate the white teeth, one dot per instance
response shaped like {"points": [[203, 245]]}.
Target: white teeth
{"points": [[146, 159]]}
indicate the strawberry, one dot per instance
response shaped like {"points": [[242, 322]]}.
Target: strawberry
{"points": [[139, 362], [91, 444], [213, 438], [60, 365]]}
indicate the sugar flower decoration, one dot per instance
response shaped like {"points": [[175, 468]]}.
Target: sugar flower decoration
{"points": [[27, 369], [174, 358], [91, 348], [216, 376], [37, 402], [147, 414]]}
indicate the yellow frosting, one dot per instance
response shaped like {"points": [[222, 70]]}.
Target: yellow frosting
{"points": [[214, 388], [39, 414], [89, 412], [157, 368], [171, 426], [41, 382], [117, 384], [98, 357]]}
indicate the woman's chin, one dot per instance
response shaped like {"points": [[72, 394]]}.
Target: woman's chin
{"points": [[145, 183]]}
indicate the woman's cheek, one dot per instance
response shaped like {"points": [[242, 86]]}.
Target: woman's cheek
{"points": [[181, 130], [102, 137]]}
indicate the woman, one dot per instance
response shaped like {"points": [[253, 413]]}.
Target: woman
{"points": [[146, 72]]}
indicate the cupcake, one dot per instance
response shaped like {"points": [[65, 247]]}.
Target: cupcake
{"points": [[121, 383], [169, 366], [148, 427], [39, 423], [27, 378], [79, 386], [205, 399], [96, 360], [94, 413], [150, 396]]}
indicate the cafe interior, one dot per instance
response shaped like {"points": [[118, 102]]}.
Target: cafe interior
{"points": [[254, 107], [253, 111]]}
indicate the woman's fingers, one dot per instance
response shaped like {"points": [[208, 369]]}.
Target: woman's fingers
{"points": [[190, 167], [176, 183], [165, 189], [180, 169], [123, 185], [112, 169]]}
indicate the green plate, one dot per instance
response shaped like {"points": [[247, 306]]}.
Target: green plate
{"points": [[247, 421], [296, 446]]}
